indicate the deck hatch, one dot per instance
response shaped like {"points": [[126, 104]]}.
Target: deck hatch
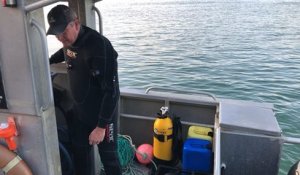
{"points": [[249, 118]]}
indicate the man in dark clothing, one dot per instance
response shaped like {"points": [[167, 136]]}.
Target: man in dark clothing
{"points": [[92, 70]]}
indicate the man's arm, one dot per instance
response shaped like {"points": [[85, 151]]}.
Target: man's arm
{"points": [[57, 57]]}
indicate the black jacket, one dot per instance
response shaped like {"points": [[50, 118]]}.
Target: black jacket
{"points": [[93, 77]]}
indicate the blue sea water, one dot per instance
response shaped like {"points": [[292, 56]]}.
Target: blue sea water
{"points": [[236, 49]]}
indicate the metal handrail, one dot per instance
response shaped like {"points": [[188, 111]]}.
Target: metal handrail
{"points": [[39, 4], [182, 92], [46, 62], [100, 19], [292, 140]]}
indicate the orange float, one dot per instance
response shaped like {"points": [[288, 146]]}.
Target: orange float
{"points": [[10, 162], [8, 131]]}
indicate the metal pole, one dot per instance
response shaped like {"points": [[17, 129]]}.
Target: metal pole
{"points": [[217, 166], [42, 33], [100, 19], [39, 4], [291, 140]]}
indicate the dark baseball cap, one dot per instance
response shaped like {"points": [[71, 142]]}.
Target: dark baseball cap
{"points": [[58, 18]]}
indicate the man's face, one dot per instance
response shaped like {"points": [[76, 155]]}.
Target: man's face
{"points": [[69, 36]]}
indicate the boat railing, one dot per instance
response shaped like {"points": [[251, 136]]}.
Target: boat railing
{"points": [[41, 31], [187, 92], [39, 4], [99, 18], [291, 140]]}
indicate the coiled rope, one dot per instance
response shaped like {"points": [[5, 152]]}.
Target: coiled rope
{"points": [[126, 151]]}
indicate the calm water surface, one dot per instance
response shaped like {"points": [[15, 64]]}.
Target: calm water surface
{"points": [[239, 50]]}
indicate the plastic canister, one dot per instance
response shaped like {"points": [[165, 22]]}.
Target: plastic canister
{"points": [[200, 132], [197, 155]]}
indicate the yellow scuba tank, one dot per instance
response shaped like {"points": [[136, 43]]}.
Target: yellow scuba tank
{"points": [[163, 137]]}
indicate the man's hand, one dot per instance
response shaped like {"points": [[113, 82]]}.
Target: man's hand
{"points": [[97, 136]]}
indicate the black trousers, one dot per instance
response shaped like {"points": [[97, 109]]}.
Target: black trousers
{"points": [[82, 151]]}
